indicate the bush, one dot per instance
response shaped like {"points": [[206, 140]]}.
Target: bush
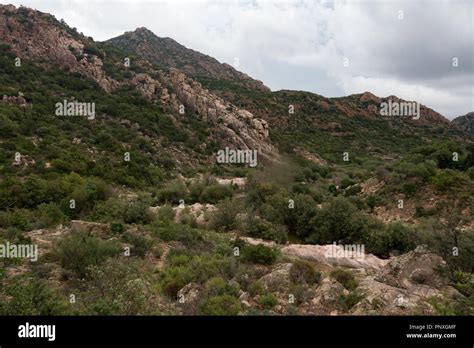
{"points": [[117, 228], [256, 288], [140, 244], [137, 213], [260, 228], [299, 292], [260, 254], [115, 288], [174, 279], [215, 193], [182, 233], [346, 278], [217, 286], [220, 305], [81, 250], [49, 214], [303, 272], [172, 193], [166, 213], [225, 218], [448, 179], [182, 269], [350, 300], [339, 220], [30, 297], [267, 301]]}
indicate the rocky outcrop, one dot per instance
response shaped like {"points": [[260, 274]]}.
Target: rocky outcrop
{"points": [[406, 284], [419, 266], [14, 100], [278, 278], [319, 253], [466, 122], [38, 36], [232, 126]]}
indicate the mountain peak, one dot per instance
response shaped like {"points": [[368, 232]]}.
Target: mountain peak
{"points": [[167, 53], [142, 31]]}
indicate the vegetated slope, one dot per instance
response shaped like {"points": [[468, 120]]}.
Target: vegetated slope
{"points": [[41, 38], [325, 126], [465, 122]]}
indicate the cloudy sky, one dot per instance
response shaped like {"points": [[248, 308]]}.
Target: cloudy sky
{"points": [[333, 48]]}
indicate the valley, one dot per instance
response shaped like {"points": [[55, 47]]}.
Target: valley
{"points": [[197, 190]]}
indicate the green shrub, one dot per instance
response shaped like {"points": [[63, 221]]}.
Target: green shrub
{"points": [[260, 228], [299, 293], [346, 278], [166, 213], [49, 214], [117, 228], [350, 300], [260, 254], [140, 244], [448, 179], [217, 286], [23, 296], [267, 301], [182, 233], [256, 288], [220, 305], [182, 269], [116, 288], [337, 220], [225, 218], [81, 250], [215, 193], [172, 193], [303, 272], [137, 212]]}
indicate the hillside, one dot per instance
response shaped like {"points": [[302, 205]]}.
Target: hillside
{"points": [[123, 192], [325, 126], [465, 122]]}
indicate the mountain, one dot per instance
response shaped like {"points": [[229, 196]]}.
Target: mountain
{"points": [[49, 43], [465, 122], [167, 53], [324, 126]]}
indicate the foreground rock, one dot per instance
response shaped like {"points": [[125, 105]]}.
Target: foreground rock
{"points": [[319, 253]]}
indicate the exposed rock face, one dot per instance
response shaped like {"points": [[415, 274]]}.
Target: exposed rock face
{"points": [[416, 267], [13, 100], [234, 127], [148, 87], [319, 252], [465, 122], [406, 284], [278, 278], [39, 37], [190, 293], [328, 293]]}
